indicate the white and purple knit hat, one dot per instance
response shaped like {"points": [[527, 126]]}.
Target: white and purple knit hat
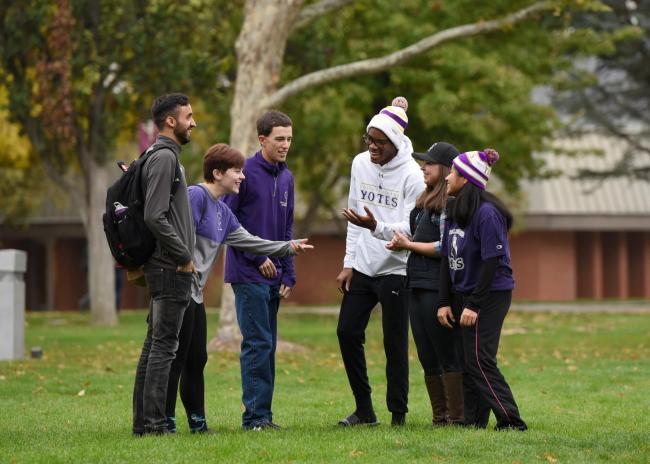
{"points": [[475, 166], [392, 121]]}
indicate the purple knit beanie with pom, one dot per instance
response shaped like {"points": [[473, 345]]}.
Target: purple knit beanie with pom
{"points": [[475, 166]]}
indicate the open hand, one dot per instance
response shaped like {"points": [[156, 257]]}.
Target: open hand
{"points": [[399, 242], [367, 222], [300, 245]]}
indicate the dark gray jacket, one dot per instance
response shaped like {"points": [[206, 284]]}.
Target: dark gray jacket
{"points": [[171, 223]]}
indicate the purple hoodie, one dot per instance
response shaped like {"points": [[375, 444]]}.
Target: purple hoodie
{"points": [[264, 207]]}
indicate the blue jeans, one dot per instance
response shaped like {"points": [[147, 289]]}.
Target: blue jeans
{"points": [[170, 296], [257, 314]]}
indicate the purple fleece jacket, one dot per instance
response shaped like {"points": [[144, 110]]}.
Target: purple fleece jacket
{"points": [[264, 207]]}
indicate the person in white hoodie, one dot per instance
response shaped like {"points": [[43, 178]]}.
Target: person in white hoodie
{"points": [[387, 180]]}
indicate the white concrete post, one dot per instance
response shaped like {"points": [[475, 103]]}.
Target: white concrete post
{"points": [[13, 264]]}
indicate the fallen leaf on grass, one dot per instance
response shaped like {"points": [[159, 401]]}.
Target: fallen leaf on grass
{"points": [[550, 458], [514, 331], [81, 393], [2, 377], [355, 453], [572, 368]]}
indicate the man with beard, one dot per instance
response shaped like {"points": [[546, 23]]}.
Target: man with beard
{"points": [[170, 270]]}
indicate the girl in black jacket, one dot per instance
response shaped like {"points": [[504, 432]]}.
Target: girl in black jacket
{"points": [[439, 350]]}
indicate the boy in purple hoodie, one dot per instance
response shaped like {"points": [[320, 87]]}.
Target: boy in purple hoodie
{"points": [[215, 227], [264, 207]]}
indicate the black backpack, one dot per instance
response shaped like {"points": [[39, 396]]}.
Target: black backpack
{"points": [[130, 240]]}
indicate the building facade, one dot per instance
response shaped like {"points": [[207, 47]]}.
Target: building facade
{"points": [[580, 239]]}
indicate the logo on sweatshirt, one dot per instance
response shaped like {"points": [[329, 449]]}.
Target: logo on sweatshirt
{"points": [[219, 221], [379, 196], [286, 199], [455, 263]]}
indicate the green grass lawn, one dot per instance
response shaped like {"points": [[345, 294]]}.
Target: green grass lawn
{"points": [[581, 381]]}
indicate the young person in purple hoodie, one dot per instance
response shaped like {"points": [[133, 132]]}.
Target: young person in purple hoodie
{"points": [[478, 273], [215, 226], [264, 206]]}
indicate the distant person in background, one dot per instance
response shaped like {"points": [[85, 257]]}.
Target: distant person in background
{"points": [[476, 286], [386, 179], [216, 226]]}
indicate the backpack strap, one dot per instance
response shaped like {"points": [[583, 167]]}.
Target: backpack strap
{"points": [[206, 196], [178, 174]]}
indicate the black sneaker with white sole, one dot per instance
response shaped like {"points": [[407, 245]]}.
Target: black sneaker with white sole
{"points": [[354, 419]]}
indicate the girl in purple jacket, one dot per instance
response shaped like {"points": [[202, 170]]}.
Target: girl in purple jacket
{"points": [[477, 273]]}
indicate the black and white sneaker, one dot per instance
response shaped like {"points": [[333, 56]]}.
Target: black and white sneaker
{"points": [[354, 420], [261, 426]]}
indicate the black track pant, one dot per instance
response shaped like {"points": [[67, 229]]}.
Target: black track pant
{"points": [[485, 387], [190, 361], [439, 349], [356, 307]]}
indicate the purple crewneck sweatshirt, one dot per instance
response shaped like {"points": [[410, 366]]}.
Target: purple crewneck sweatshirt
{"points": [[264, 207]]}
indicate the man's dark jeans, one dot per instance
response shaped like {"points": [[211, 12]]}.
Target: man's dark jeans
{"points": [[170, 296]]}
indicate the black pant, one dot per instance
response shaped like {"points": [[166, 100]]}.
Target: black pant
{"points": [[170, 295], [485, 388], [356, 307], [188, 366], [439, 349]]}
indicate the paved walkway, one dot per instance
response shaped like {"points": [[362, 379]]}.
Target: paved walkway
{"points": [[637, 307]]}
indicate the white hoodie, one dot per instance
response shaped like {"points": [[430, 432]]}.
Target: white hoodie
{"points": [[389, 192]]}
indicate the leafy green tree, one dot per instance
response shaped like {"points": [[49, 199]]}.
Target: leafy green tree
{"points": [[472, 66], [610, 92], [80, 73]]}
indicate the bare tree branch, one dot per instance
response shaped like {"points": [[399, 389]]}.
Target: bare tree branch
{"points": [[314, 11], [374, 65]]}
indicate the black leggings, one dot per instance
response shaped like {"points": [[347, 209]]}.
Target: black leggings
{"points": [[485, 388], [439, 349], [189, 363]]}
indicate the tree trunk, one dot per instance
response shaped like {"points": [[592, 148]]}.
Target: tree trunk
{"points": [[260, 52], [101, 267]]}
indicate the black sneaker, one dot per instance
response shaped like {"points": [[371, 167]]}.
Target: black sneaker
{"points": [[399, 419], [518, 427], [275, 426], [261, 426], [354, 420], [171, 424], [197, 423]]}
